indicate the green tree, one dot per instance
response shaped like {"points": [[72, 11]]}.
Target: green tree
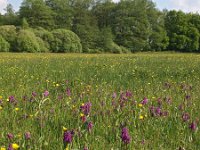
{"points": [[182, 36], [24, 24], [10, 17], [131, 25], [63, 13], [37, 13], [85, 25], [65, 41]]}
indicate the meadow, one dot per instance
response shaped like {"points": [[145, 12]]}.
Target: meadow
{"points": [[99, 101]]}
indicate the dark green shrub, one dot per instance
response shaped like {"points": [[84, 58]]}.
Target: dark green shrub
{"points": [[27, 42], [4, 45], [65, 41]]}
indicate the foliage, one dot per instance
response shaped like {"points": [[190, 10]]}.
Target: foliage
{"points": [[134, 25], [9, 33], [65, 41], [4, 45], [45, 35], [37, 13], [27, 42]]}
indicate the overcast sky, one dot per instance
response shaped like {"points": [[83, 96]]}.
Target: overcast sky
{"points": [[184, 5]]}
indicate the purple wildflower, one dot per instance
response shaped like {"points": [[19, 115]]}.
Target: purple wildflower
{"points": [[181, 107], [144, 101], [185, 117], [83, 118], [27, 135], [10, 147], [152, 110], [34, 94], [11, 99], [187, 97], [68, 92], [123, 97], [193, 126], [68, 137], [114, 95], [165, 113], [159, 101], [46, 93], [90, 126], [85, 148], [10, 136], [129, 94], [125, 136], [86, 108], [158, 111]]}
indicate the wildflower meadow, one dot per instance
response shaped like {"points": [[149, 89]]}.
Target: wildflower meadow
{"points": [[137, 101]]}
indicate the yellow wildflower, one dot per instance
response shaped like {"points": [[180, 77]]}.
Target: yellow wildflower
{"points": [[140, 105], [64, 128], [17, 109], [1, 108], [57, 85], [141, 117], [2, 148], [1, 97], [81, 114], [15, 146]]}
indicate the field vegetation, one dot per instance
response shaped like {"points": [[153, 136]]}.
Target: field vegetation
{"points": [[99, 102]]}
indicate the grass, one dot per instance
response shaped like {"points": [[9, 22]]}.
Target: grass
{"points": [[115, 85]]}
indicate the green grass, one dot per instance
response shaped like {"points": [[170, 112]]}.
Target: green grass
{"points": [[94, 78]]}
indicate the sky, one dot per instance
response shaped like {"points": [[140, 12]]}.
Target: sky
{"points": [[184, 5]]}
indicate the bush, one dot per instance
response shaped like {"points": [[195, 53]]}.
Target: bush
{"points": [[8, 32], [27, 42], [45, 35], [42, 45], [4, 45], [65, 41]]}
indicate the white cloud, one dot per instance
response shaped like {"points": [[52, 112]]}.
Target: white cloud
{"points": [[186, 5], [3, 4]]}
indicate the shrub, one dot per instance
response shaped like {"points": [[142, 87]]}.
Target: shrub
{"points": [[27, 42], [8, 32], [42, 45], [4, 45], [65, 41], [45, 35]]}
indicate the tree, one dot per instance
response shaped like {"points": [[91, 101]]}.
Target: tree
{"points": [[85, 25], [158, 39], [10, 17], [63, 13], [37, 13], [182, 35], [131, 25]]}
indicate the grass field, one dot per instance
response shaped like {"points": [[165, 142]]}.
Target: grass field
{"points": [[100, 102]]}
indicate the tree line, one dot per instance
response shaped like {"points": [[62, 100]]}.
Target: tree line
{"points": [[95, 26]]}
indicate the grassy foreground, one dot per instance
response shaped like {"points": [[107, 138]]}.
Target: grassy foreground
{"points": [[74, 101]]}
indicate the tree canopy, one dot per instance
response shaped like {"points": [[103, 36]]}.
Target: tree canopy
{"points": [[98, 26]]}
